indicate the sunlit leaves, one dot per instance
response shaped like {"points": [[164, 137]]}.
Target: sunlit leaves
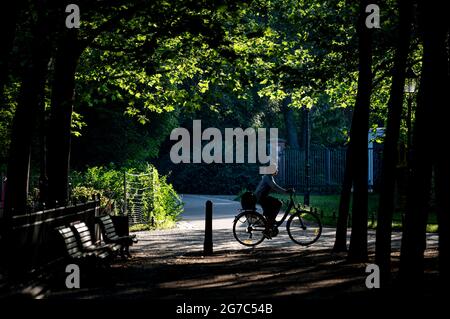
{"points": [[77, 124], [203, 86], [266, 49]]}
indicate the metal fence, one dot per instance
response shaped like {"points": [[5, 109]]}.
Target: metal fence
{"points": [[326, 170], [139, 197]]}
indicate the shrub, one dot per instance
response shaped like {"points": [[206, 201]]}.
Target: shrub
{"points": [[160, 203]]}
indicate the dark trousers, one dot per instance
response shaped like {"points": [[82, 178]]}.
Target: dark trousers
{"points": [[271, 206]]}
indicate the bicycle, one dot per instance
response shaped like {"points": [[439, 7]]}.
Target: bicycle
{"points": [[303, 226]]}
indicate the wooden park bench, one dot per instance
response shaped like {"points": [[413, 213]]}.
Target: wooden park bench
{"points": [[84, 238], [76, 254], [94, 262], [110, 235]]}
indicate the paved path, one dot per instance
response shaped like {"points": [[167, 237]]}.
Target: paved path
{"points": [[190, 230], [188, 236], [169, 263], [193, 216]]}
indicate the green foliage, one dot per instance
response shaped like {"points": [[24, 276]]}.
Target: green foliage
{"points": [[140, 227], [84, 194], [108, 180], [238, 60], [6, 116], [161, 203], [77, 124], [167, 204], [229, 64], [229, 61]]}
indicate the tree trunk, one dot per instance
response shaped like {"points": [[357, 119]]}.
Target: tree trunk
{"points": [[29, 99], [289, 121], [59, 138], [8, 22], [395, 106], [43, 178], [441, 76], [360, 125], [69, 50], [414, 233], [340, 243], [442, 180]]}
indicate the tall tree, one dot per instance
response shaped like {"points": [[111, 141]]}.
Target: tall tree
{"points": [[70, 46], [414, 233], [442, 187], [442, 164], [427, 152], [8, 21], [395, 106], [155, 21], [63, 91], [358, 137], [340, 242], [30, 97]]}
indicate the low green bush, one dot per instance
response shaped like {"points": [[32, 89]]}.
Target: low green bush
{"points": [[161, 205]]}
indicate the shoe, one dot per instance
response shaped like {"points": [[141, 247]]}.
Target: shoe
{"points": [[266, 234], [274, 232]]}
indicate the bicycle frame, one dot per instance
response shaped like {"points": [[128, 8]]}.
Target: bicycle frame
{"points": [[257, 223], [291, 205]]}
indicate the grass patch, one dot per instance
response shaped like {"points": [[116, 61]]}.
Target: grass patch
{"points": [[328, 207], [167, 224], [140, 227], [432, 228]]}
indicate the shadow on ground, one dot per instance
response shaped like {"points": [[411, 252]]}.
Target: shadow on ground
{"points": [[176, 269]]}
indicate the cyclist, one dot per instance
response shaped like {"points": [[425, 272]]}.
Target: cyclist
{"points": [[270, 205]]}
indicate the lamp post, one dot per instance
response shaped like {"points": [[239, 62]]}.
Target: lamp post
{"points": [[410, 89]]}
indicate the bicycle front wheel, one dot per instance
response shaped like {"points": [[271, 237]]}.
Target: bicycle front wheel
{"points": [[248, 228], [304, 228]]}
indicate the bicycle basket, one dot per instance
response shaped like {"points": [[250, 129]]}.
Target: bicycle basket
{"points": [[248, 201]]}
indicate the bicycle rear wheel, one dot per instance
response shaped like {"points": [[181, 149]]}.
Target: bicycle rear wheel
{"points": [[304, 228], [248, 228]]}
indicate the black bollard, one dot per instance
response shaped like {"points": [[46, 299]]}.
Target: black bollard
{"points": [[208, 244]]}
